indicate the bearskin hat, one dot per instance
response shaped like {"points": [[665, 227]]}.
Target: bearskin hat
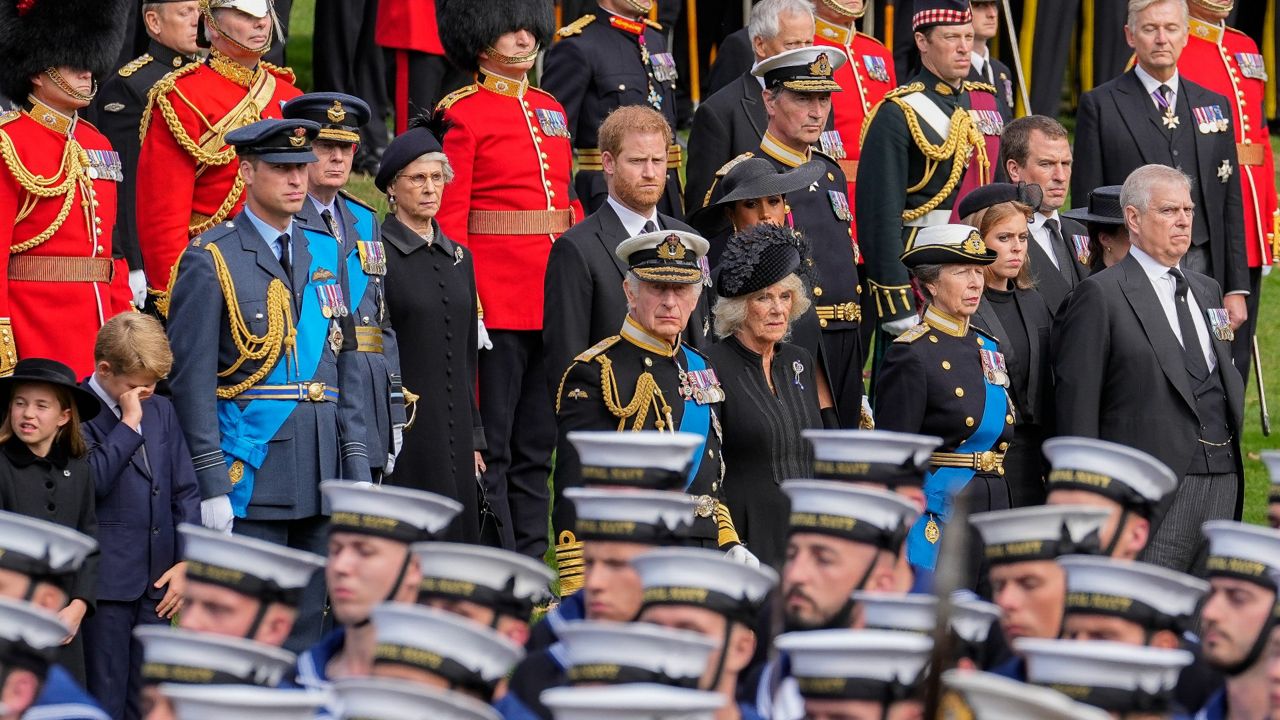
{"points": [[468, 26], [40, 34]]}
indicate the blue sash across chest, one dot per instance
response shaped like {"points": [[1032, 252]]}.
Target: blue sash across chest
{"points": [[696, 418]]}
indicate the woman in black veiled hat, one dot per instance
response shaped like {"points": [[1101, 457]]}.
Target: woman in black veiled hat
{"points": [[771, 386]]}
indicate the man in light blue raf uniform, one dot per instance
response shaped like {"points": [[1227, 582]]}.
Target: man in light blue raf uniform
{"points": [[258, 318], [38, 563], [331, 211]]}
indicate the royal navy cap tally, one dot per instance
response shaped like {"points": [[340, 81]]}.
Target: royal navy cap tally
{"points": [[173, 655], [379, 698], [897, 611], [1151, 596], [806, 69], [705, 578], [940, 12], [862, 515], [1103, 208], [892, 459], [875, 665], [1271, 458], [948, 245], [30, 636], [1128, 476], [632, 701], [219, 702], [1244, 552], [467, 655], [665, 256], [1117, 677], [39, 548], [646, 459], [507, 582], [276, 141], [1039, 533], [387, 511], [654, 517], [257, 568], [340, 116], [987, 696], [611, 653]]}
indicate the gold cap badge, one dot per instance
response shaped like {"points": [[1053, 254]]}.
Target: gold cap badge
{"points": [[336, 113], [671, 248], [821, 67], [973, 245]]}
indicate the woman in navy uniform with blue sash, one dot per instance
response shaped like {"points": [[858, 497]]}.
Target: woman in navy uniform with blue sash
{"points": [[946, 378]]}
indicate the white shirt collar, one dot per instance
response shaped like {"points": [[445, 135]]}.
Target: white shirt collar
{"points": [[1152, 267], [101, 392], [632, 221], [980, 59], [332, 207], [1038, 219], [1150, 84]]}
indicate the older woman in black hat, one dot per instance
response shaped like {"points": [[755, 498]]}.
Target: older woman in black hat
{"points": [[771, 385], [1108, 235], [432, 306], [1014, 313], [946, 377]]}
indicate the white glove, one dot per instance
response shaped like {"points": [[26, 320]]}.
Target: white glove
{"points": [[897, 327], [397, 443], [138, 286], [740, 554], [485, 343], [1266, 270], [215, 513]]}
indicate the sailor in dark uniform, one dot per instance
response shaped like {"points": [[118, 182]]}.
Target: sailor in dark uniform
{"points": [[174, 655], [117, 111], [213, 702], [604, 61], [1124, 680], [396, 699], [860, 673], [797, 97], [986, 696], [29, 638]]}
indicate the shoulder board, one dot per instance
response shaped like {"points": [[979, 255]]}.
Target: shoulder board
{"points": [[1238, 32], [134, 65], [213, 234], [544, 92], [691, 349], [81, 121], [590, 353], [901, 90], [872, 38], [817, 152], [277, 70], [575, 27], [983, 333], [356, 201], [166, 84], [725, 168], [913, 334], [653, 24], [985, 87], [448, 100], [8, 117]]}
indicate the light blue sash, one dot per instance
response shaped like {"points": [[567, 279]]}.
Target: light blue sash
{"points": [[696, 418]]}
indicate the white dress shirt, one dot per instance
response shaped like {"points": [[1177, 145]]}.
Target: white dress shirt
{"points": [[106, 399], [982, 64], [1040, 233], [1151, 85], [632, 221], [1165, 286]]}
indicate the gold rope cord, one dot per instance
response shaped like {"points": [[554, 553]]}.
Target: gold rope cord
{"points": [[281, 333], [74, 161], [963, 139], [647, 394]]}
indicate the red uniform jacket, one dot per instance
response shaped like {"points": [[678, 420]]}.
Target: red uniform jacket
{"points": [[408, 25], [51, 317], [510, 151], [188, 178], [865, 78], [1227, 62]]}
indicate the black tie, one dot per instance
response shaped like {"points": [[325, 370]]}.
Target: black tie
{"points": [[282, 243], [1166, 92], [649, 227], [1060, 251], [1191, 347], [329, 223]]}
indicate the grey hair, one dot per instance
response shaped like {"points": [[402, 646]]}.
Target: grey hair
{"points": [[926, 274], [1137, 6], [731, 312], [1136, 190], [764, 16], [441, 158]]}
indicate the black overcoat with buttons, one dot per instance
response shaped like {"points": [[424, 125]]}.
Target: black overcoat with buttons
{"points": [[431, 303]]}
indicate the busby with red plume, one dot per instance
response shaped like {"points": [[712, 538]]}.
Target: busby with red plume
{"points": [[467, 27], [40, 34]]}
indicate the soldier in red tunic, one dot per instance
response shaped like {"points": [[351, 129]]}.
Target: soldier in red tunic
{"points": [[58, 180], [187, 178], [510, 150], [1228, 62]]}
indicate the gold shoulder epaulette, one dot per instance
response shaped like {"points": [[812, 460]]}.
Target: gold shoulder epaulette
{"points": [[280, 71], [907, 89], [590, 353], [975, 85], [8, 117], [984, 333], [135, 65], [544, 92], [913, 334], [725, 168], [353, 199], [575, 27], [447, 101], [872, 38], [653, 24]]}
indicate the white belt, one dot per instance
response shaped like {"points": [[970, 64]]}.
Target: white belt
{"points": [[933, 217]]}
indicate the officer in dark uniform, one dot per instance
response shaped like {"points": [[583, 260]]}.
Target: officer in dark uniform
{"points": [[117, 111], [604, 61], [797, 97]]}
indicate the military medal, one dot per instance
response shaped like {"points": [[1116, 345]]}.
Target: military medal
{"points": [[457, 255], [1169, 119], [664, 67], [1224, 171], [875, 68], [335, 338], [373, 257], [331, 303], [1081, 244], [932, 532], [1220, 322], [840, 205], [1252, 66], [993, 367], [797, 368], [553, 123], [833, 145]]}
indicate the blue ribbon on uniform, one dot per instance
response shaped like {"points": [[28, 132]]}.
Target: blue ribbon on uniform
{"points": [[696, 418]]}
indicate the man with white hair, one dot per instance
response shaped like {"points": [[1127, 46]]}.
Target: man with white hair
{"points": [[1143, 358], [732, 120]]}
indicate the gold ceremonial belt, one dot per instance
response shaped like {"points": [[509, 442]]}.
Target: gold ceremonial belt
{"points": [[299, 391], [368, 339], [850, 168], [1251, 155], [519, 222], [589, 158], [989, 461], [60, 269], [844, 312]]}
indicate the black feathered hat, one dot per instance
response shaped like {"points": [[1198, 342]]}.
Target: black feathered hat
{"points": [[760, 256], [39, 34], [422, 137], [467, 27]]}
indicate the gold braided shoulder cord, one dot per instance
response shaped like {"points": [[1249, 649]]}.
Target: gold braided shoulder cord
{"points": [[74, 161], [237, 189], [963, 138], [281, 333], [163, 86], [647, 394]]}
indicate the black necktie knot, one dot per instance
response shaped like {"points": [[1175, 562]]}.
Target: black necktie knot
{"points": [[649, 226]]}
